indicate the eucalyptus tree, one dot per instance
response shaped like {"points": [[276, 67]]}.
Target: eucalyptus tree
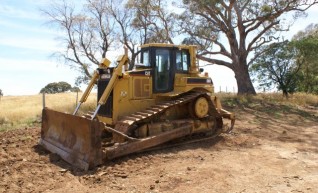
{"points": [[229, 31], [277, 66], [1, 94], [142, 21], [90, 30], [306, 41], [86, 34]]}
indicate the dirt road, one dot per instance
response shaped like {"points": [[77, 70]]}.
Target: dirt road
{"points": [[272, 149]]}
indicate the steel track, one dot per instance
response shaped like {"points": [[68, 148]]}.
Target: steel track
{"points": [[134, 119], [183, 142]]}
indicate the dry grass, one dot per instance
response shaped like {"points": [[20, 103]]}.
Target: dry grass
{"points": [[23, 111], [300, 99]]}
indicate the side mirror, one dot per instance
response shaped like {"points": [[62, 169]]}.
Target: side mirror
{"points": [[201, 70]]}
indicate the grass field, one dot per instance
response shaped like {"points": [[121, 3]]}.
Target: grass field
{"points": [[25, 111], [300, 99]]}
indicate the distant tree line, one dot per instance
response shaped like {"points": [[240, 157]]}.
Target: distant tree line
{"points": [[1, 94], [59, 87], [290, 66]]}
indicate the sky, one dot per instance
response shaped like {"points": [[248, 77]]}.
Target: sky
{"points": [[27, 44]]}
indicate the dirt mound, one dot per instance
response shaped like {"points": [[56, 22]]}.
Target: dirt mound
{"points": [[265, 153]]}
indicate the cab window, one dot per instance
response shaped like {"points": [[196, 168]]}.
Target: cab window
{"points": [[182, 60], [145, 58]]}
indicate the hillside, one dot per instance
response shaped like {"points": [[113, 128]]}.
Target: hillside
{"points": [[273, 148]]}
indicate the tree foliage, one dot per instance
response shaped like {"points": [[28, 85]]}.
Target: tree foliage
{"points": [[234, 30], [58, 87], [307, 44], [75, 89], [153, 19], [277, 66], [138, 22], [91, 31], [87, 34]]}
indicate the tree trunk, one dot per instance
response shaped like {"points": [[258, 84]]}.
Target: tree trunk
{"points": [[132, 61], [285, 93], [243, 80]]}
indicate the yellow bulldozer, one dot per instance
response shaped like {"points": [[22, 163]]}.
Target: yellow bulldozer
{"points": [[165, 97]]}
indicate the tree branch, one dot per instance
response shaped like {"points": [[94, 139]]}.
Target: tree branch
{"points": [[215, 61]]}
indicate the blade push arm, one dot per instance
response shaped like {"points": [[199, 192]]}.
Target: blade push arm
{"points": [[105, 63], [118, 71], [87, 91]]}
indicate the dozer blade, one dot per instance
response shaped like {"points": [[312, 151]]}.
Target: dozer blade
{"points": [[75, 139]]}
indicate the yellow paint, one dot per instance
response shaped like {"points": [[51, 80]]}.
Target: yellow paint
{"points": [[105, 62], [132, 93]]}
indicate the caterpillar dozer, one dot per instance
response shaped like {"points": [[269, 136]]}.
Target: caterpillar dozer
{"points": [[165, 97]]}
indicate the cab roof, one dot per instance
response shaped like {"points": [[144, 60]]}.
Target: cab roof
{"points": [[163, 45]]}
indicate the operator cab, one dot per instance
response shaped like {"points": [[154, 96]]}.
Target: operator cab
{"points": [[164, 61]]}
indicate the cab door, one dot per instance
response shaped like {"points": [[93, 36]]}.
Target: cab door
{"points": [[163, 70]]}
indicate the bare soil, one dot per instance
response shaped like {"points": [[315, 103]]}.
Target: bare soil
{"points": [[273, 148]]}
